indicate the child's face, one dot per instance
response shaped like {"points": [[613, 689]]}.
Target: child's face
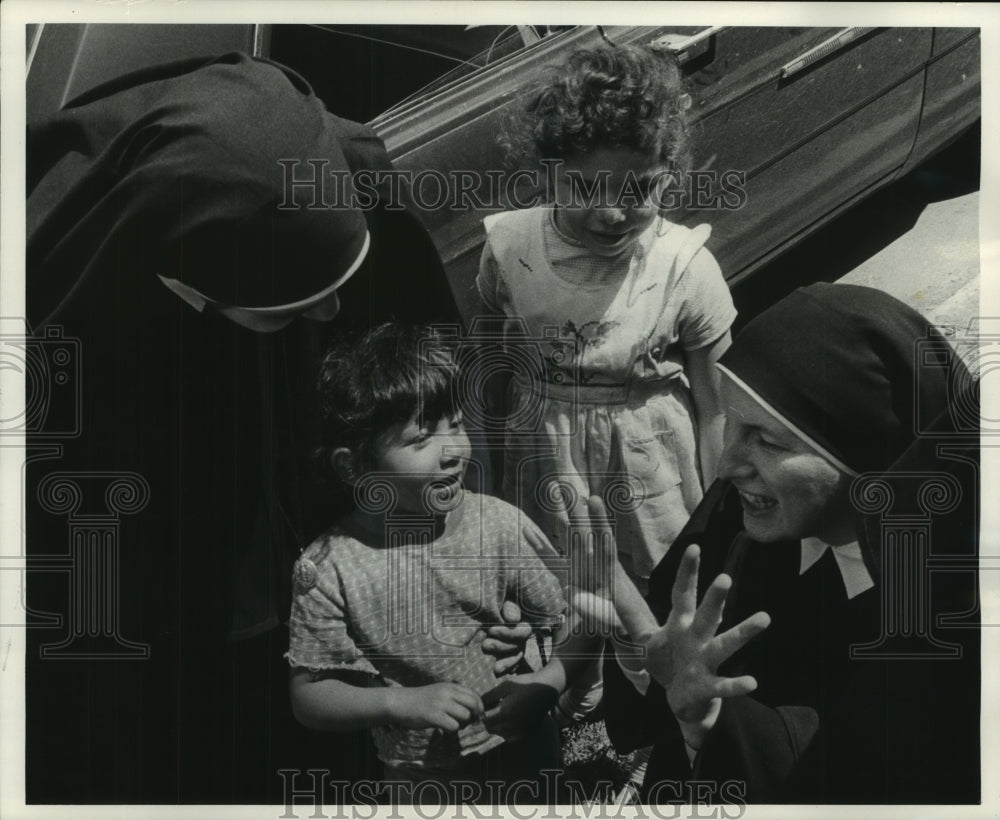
{"points": [[424, 464], [624, 179]]}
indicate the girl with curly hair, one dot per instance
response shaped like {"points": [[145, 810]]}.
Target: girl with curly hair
{"points": [[631, 312]]}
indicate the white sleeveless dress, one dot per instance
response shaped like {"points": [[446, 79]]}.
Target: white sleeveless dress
{"points": [[606, 407]]}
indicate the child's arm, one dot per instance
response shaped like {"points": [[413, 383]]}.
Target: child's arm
{"points": [[703, 328], [333, 703], [706, 388]]}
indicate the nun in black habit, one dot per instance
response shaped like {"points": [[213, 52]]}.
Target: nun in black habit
{"points": [[844, 667], [161, 234]]}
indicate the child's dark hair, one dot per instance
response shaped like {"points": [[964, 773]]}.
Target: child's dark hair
{"points": [[384, 377], [623, 96]]}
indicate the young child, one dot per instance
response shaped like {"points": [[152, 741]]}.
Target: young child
{"points": [[391, 604], [631, 312]]}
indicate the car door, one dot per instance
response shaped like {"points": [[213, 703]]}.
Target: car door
{"points": [[811, 118]]}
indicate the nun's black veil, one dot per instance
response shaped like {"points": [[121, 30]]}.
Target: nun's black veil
{"points": [[873, 699], [173, 173]]}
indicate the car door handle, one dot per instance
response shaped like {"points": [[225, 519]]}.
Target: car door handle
{"points": [[840, 40], [684, 48]]}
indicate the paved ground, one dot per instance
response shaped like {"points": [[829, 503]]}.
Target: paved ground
{"points": [[935, 266]]}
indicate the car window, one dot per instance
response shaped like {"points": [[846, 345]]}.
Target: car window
{"points": [[361, 71], [509, 41]]}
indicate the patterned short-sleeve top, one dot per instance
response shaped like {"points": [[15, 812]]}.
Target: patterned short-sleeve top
{"points": [[412, 609]]}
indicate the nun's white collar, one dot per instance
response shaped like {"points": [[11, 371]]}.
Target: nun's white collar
{"points": [[852, 567]]}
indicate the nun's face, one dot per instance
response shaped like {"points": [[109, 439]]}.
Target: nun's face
{"points": [[788, 491]]}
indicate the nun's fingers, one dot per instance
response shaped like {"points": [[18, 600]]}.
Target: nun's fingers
{"points": [[581, 559], [600, 522], [567, 507], [580, 545], [684, 597], [661, 661], [732, 640], [537, 541], [734, 687], [605, 550], [597, 615], [708, 616]]}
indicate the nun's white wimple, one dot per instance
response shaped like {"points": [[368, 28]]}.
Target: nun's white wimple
{"points": [[836, 462]]}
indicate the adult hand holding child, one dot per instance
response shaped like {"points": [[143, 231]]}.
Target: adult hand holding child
{"points": [[506, 641], [519, 702]]}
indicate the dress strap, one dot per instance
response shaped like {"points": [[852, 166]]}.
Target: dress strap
{"points": [[696, 239], [671, 250]]}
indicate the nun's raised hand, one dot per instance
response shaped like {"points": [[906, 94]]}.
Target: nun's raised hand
{"points": [[602, 595], [684, 655]]}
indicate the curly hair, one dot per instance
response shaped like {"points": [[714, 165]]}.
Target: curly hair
{"points": [[387, 376], [607, 97]]}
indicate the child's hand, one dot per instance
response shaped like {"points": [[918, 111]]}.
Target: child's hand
{"points": [[447, 706], [517, 704]]}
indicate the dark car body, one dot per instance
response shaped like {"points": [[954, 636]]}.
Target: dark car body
{"points": [[808, 120]]}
